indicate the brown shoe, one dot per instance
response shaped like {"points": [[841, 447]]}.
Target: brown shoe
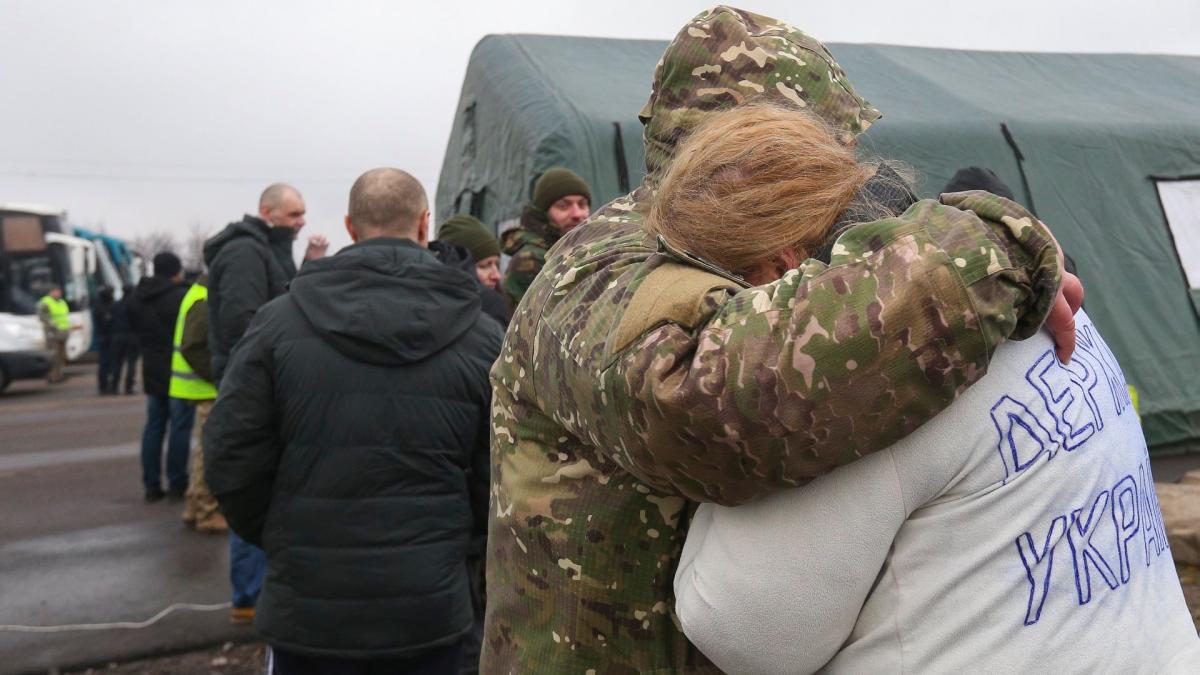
{"points": [[214, 524], [241, 615]]}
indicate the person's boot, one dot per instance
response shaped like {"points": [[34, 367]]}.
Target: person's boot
{"points": [[154, 495], [241, 615], [214, 524], [189, 513]]}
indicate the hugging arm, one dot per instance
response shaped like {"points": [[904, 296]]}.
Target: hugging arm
{"points": [[777, 586], [787, 381]]}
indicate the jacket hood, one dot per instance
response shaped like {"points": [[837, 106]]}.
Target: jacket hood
{"points": [[150, 288], [726, 56], [250, 226], [386, 301], [535, 229], [453, 256]]}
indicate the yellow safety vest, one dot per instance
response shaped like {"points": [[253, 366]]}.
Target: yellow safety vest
{"points": [[185, 383], [60, 312]]}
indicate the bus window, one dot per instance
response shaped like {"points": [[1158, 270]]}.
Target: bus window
{"points": [[30, 277]]}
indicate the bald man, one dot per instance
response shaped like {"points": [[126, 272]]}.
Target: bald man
{"points": [[350, 440], [249, 263]]}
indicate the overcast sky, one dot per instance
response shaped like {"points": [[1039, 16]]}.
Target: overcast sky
{"points": [[148, 114]]}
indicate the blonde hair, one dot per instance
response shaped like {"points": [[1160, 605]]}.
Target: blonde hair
{"points": [[754, 181]]}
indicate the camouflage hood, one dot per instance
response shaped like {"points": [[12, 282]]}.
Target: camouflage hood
{"points": [[726, 56]]}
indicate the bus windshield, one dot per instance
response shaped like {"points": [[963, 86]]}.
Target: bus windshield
{"points": [[30, 266], [30, 276]]}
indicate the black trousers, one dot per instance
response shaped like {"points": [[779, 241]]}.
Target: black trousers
{"points": [[124, 355], [438, 661], [104, 349]]}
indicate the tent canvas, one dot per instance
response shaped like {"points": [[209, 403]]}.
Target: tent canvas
{"points": [[1093, 135]]}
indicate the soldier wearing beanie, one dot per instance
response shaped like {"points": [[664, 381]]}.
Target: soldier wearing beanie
{"points": [[561, 201], [470, 233]]}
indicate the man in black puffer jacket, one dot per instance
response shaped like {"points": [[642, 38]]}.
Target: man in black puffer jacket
{"points": [[250, 263], [350, 440], [152, 314]]}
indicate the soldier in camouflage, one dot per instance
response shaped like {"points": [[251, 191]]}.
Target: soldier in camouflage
{"points": [[561, 201], [637, 379]]}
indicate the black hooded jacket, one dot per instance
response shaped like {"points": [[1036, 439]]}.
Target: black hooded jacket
{"points": [[350, 440], [458, 257], [249, 263], [152, 315]]}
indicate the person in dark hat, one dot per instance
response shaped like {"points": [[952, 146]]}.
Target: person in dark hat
{"points": [[561, 201], [470, 233], [464, 241], [152, 315]]}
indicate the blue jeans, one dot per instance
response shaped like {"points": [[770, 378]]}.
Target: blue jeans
{"points": [[179, 415], [247, 569]]}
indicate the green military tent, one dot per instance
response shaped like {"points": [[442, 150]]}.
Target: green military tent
{"points": [[1105, 147]]}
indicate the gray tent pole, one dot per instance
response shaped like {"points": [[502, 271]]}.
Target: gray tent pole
{"points": [[622, 166], [1012, 143]]}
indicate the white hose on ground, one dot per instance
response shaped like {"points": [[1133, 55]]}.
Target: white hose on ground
{"points": [[119, 624]]}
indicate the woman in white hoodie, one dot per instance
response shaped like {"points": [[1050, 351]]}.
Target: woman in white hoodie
{"points": [[1016, 532]]}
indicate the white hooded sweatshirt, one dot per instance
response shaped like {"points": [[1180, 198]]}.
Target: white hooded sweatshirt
{"points": [[1016, 532]]}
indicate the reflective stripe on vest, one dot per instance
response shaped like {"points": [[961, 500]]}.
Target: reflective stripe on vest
{"points": [[60, 311], [185, 383]]}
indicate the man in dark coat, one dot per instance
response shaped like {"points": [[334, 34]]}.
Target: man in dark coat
{"points": [[106, 383], [350, 439], [124, 341], [249, 263], [153, 311]]}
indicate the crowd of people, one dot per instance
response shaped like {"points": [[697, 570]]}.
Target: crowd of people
{"points": [[768, 413], [405, 329]]}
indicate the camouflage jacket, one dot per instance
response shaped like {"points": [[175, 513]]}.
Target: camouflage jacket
{"points": [[635, 380], [527, 245]]}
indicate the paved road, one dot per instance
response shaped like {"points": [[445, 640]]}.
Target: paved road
{"points": [[77, 545]]}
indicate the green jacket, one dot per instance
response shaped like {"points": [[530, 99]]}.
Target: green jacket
{"points": [[635, 381], [527, 245], [194, 345]]}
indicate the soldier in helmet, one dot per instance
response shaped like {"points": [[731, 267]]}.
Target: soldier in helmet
{"points": [[561, 201], [638, 378]]}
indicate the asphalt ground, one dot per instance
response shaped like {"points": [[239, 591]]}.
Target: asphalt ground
{"points": [[79, 546]]}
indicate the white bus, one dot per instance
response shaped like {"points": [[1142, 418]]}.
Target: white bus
{"points": [[35, 256]]}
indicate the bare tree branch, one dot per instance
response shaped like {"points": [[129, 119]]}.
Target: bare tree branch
{"points": [[193, 246]]}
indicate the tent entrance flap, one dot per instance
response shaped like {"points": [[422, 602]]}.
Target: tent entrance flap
{"points": [[470, 201]]}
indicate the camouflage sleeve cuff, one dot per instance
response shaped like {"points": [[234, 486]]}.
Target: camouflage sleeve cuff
{"points": [[1023, 250]]}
